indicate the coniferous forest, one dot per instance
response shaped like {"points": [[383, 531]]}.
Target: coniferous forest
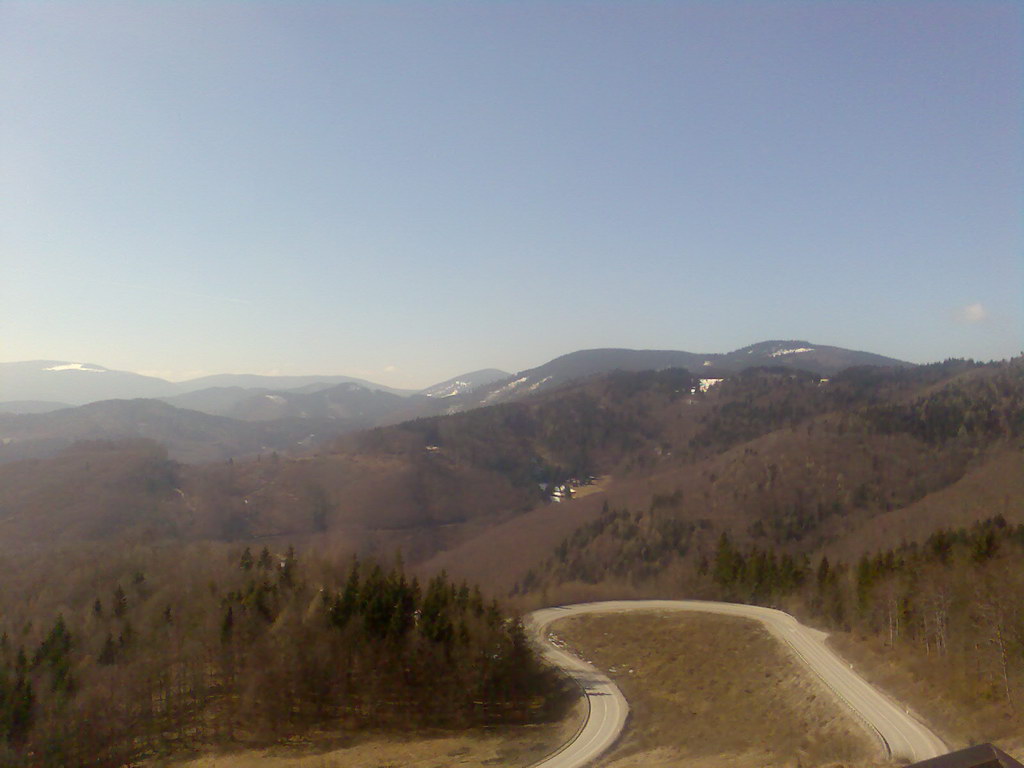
{"points": [[263, 647]]}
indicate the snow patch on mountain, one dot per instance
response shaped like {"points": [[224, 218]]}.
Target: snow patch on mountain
{"points": [[501, 391], [464, 384], [533, 387], [797, 351], [75, 367], [456, 387]]}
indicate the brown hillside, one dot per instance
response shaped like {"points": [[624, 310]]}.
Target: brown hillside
{"points": [[499, 555], [92, 491], [774, 456], [995, 486], [823, 461]]}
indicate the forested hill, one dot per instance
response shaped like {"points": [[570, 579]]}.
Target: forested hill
{"points": [[183, 650], [789, 461], [781, 450]]}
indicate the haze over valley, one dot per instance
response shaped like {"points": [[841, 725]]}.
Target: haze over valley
{"points": [[298, 413]]}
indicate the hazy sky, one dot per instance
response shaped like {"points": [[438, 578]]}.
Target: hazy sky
{"points": [[406, 191]]}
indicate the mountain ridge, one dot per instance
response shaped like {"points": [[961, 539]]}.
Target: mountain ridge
{"points": [[77, 383], [820, 359], [325, 406]]}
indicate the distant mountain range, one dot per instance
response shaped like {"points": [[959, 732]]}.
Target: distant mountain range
{"points": [[803, 355], [279, 383], [62, 383], [46, 405], [28, 387], [341, 401], [189, 436]]}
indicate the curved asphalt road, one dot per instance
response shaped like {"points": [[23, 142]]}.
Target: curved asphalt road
{"points": [[900, 734]]}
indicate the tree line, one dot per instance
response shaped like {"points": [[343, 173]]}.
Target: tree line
{"points": [[952, 605], [273, 648]]}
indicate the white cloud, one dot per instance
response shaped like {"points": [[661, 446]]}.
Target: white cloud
{"points": [[972, 314]]}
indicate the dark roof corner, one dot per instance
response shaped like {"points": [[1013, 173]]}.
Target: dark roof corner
{"points": [[980, 756]]}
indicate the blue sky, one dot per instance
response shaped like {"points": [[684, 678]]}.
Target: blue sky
{"points": [[407, 191]]}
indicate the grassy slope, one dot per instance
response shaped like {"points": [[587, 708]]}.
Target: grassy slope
{"points": [[511, 748], [715, 691], [939, 698]]}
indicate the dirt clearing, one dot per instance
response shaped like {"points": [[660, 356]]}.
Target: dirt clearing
{"points": [[482, 748], [718, 691]]}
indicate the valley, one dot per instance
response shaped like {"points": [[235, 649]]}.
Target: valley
{"points": [[881, 504]]}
